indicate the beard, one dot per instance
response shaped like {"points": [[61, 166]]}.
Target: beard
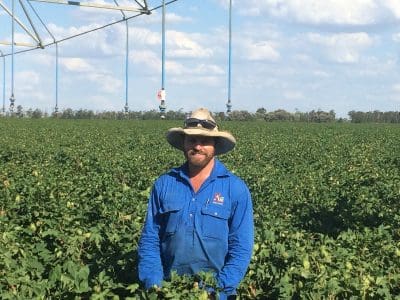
{"points": [[198, 159]]}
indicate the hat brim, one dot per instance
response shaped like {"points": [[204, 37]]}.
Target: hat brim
{"points": [[224, 141]]}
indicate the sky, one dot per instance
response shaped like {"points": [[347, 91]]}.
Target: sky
{"points": [[296, 55]]}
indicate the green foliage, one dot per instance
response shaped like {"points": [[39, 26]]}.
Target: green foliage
{"points": [[73, 195]]}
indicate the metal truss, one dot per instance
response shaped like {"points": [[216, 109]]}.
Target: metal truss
{"points": [[28, 18]]}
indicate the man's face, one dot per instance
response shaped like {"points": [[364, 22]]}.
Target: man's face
{"points": [[198, 150]]}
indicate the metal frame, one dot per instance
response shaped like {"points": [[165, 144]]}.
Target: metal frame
{"points": [[229, 103], [95, 5], [12, 98], [3, 110], [12, 15], [141, 7], [162, 93]]}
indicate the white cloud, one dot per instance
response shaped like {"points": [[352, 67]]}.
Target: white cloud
{"points": [[183, 45], [27, 89], [111, 42], [208, 81], [343, 47], [100, 15], [105, 82], [108, 42], [175, 68], [395, 98], [31, 77], [225, 3], [173, 18], [152, 62], [87, 72], [105, 16], [321, 74], [207, 69], [261, 50], [43, 58], [147, 58], [396, 88], [344, 12], [396, 37], [355, 12], [393, 6], [76, 64], [144, 37], [303, 58], [62, 32], [293, 95], [22, 41]]}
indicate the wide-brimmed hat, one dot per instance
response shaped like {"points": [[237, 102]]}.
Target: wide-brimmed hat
{"points": [[201, 123]]}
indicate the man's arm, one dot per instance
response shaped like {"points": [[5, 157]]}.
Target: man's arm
{"points": [[240, 244], [150, 265]]}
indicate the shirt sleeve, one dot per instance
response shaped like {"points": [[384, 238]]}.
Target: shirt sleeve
{"points": [[150, 266], [240, 243]]}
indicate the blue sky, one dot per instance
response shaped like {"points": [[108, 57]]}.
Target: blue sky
{"points": [[287, 54]]}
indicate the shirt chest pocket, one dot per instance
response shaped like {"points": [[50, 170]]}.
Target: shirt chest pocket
{"points": [[172, 215], [214, 221]]}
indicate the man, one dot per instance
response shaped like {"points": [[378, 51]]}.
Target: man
{"points": [[200, 215]]}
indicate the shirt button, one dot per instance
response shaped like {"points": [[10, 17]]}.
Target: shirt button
{"points": [[191, 215], [215, 214], [193, 199]]}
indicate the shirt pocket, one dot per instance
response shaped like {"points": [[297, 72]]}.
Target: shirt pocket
{"points": [[215, 221], [172, 215]]}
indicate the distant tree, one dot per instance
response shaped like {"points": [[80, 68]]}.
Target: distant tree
{"points": [[29, 113], [175, 115], [332, 115], [84, 114], [20, 111], [374, 116], [134, 115], [37, 114], [320, 116], [260, 113], [110, 115], [220, 116], [121, 115], [241, 115], [297, 115], [67, 114], [56, 114], [151, 115], [279, 115]]}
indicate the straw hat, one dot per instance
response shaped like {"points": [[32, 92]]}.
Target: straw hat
{"points": [[201, 123]]}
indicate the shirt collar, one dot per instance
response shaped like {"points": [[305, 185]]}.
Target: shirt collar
{"points": [[219, 170]]}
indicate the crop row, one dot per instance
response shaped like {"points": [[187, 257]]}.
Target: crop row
{"points": [[73, 195]]}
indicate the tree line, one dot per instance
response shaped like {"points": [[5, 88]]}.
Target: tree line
{"points": [[375, 116], [315, 116]]}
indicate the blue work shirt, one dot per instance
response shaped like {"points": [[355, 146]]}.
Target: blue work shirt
{"points": [[208, 230]]}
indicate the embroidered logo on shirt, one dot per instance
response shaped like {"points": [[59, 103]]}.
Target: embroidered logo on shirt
{"points": [[218, 199]]}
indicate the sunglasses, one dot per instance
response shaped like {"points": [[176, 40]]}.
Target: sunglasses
{"points": [[193, 122]]}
